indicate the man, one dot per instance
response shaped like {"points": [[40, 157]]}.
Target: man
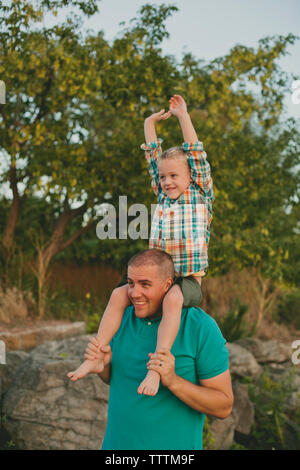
{"points": [[195, 377]]}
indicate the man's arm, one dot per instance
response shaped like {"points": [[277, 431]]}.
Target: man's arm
{"points": [[105, 374], [212, 396], [92, 354]]}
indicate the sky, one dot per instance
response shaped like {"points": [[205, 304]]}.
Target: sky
{"points": [[210, 28]]}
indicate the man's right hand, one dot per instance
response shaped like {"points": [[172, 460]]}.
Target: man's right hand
{"points": [[92, 353]]}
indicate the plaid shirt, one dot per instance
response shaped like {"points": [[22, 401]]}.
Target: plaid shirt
{"points": [[181, 227]]}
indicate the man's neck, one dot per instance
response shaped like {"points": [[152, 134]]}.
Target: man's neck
{"points": [[155, 315]]}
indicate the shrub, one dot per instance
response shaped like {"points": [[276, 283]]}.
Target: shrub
{"points": [[288, 308], [276, 426], [234, 325], [15, 306]]}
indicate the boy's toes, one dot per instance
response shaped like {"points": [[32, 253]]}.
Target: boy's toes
{"points": [[72, 376], [150, 391]]}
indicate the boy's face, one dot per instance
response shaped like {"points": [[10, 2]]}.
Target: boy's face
{"points": [[174, 177]]}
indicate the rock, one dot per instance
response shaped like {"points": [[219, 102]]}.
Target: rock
{"points": [[9, 370], [28, 339], [243, 409], [267, 351], [222, 432], [242, 363], [45, 410], [293, 402]]}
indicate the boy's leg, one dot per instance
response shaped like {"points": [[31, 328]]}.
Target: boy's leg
{"points": [[166, 335], [109, 325]]}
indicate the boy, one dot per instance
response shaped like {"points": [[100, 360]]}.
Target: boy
{"points": [[181, 227]]}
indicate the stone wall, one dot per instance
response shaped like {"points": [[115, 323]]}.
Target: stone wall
{"points": [[42, 409]]}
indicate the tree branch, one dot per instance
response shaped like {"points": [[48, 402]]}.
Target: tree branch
{"points": [[76, 235]]}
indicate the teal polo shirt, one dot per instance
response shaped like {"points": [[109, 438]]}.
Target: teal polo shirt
{"points": [[162, 422]]}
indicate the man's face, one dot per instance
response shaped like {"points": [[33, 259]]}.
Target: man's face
{"points": [[174, 177], [146, 290]]}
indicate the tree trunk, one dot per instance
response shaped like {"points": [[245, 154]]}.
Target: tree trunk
{"points": [[55, 246], [266, 298], [11, 223], [9, 231]]}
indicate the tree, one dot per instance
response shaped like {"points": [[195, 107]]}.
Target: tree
{"points": [[73, 124], [64, 93], [255, 159]]}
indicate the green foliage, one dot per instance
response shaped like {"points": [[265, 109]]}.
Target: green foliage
{"points": [[64, 305], [234, 325], [236, 446], [72, 126], [208, 440], [288, 308], [93, 322], [275, 426]]}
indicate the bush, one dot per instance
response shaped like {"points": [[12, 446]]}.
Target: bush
{"points": [[234, 325], [288, 309], [15, 306], [275, 427]]}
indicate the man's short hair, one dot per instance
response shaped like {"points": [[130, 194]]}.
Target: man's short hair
{"points": [[155, 257]]}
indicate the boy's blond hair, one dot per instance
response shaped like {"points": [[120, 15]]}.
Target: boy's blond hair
{"points": [[174, 153]]}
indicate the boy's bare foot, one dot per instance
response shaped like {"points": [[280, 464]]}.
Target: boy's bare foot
{"points": [[87, 367], [150, 384]]}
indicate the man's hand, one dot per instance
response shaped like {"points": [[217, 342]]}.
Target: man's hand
{"points": [[92, 353], [163, 362], [160, 116], [177, 106]]}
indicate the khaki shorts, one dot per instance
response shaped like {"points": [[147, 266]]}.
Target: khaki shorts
{"points": [[191, 290]]}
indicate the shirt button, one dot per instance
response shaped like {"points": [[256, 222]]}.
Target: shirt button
{"points": [[149, 322]]}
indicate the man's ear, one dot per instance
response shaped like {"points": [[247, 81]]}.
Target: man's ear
{"points": [[168, 284]]}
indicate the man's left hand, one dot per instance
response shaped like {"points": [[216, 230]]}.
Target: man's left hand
{"points": [[163, 362]]}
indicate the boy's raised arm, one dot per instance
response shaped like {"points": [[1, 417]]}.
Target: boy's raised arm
{"points": [[149, 124], [152, 146], [179, 109], [200, 168]]}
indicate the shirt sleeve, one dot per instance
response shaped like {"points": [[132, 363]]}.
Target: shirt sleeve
{"points": [[200, 168], [213, 357], [152, 151]]}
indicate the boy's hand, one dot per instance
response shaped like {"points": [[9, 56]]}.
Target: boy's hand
{"points": [[177, 106], [92, 352], [160, 116]]}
